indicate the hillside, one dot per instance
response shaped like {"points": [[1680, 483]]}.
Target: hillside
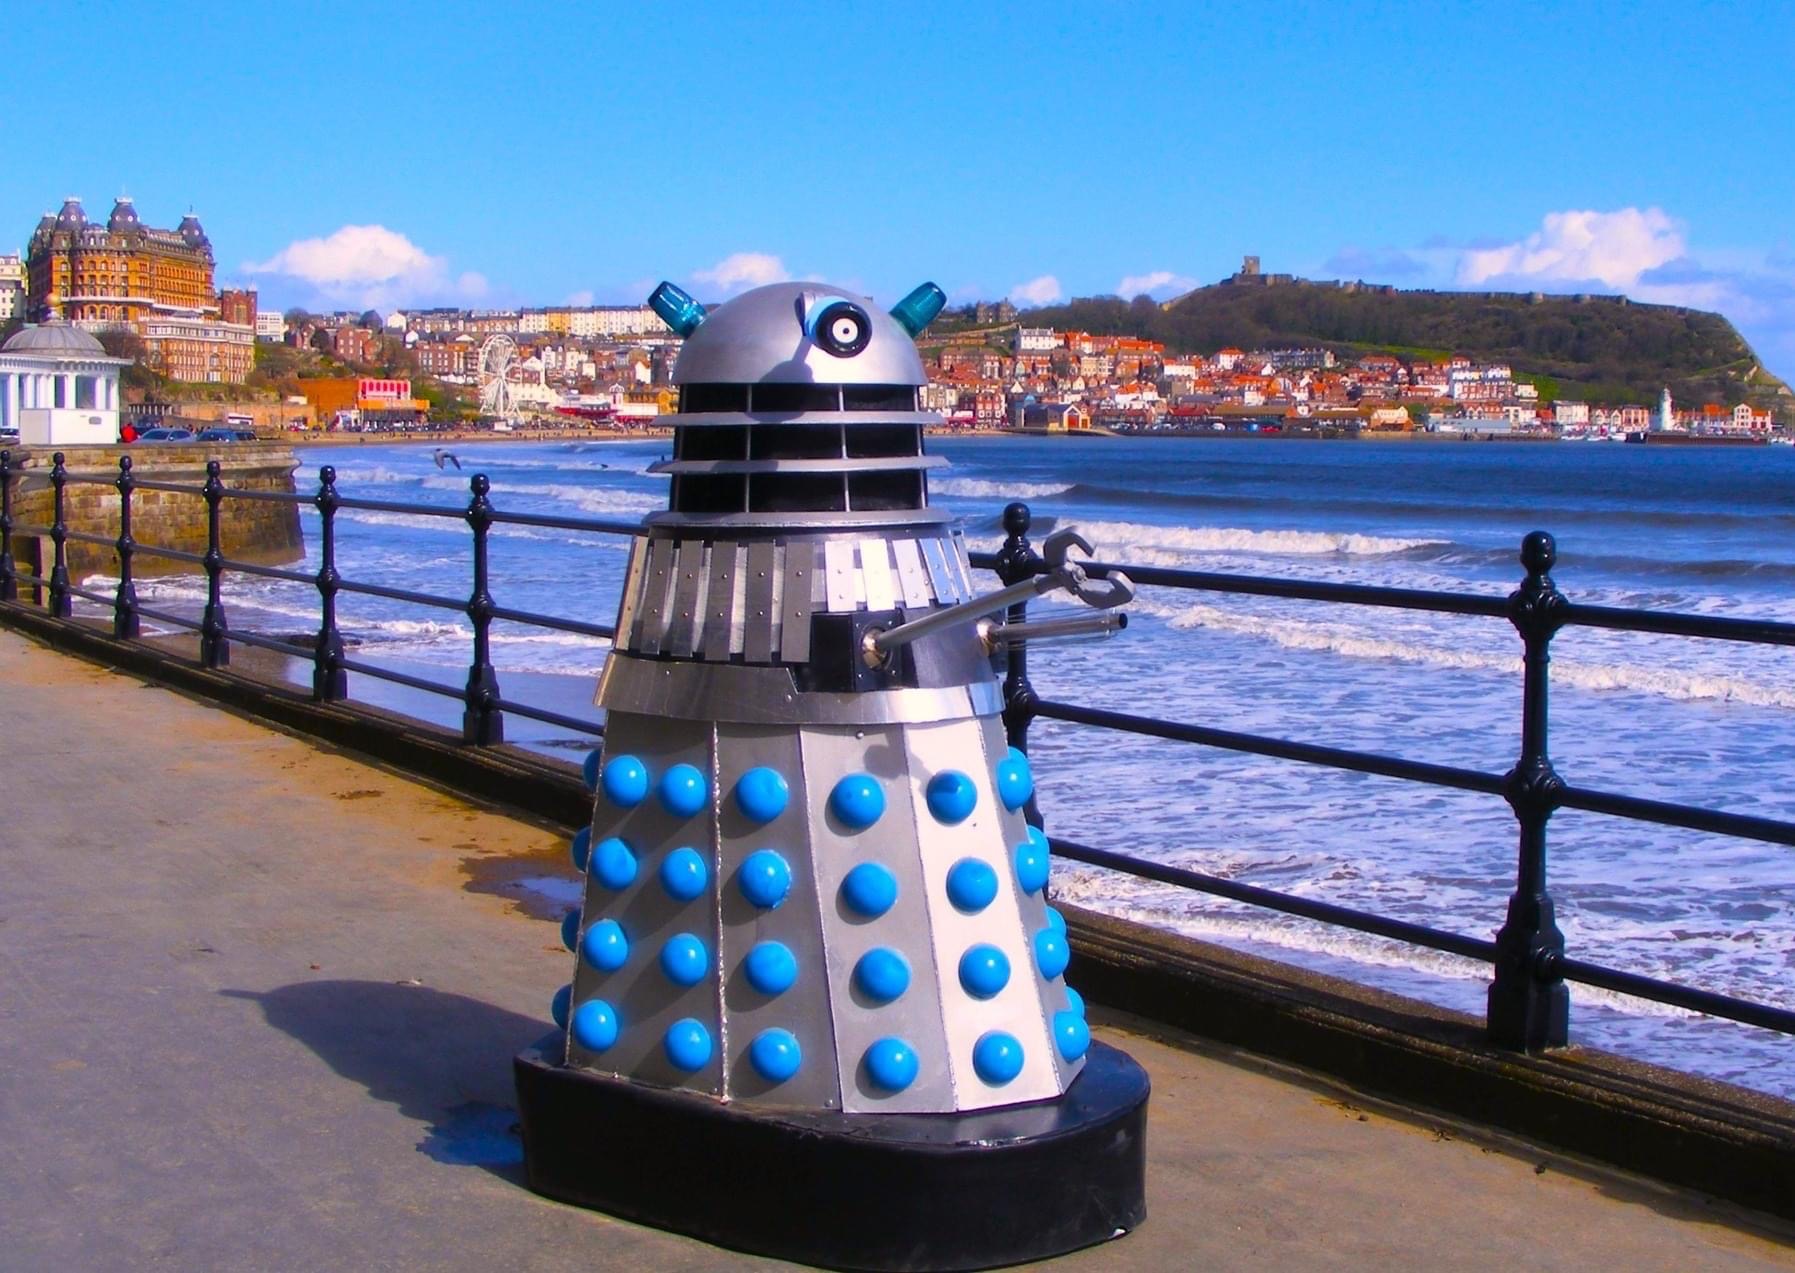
{"points": [[1597, 348]]}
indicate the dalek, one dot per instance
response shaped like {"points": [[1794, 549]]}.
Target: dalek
{"points": [[818, 1006]]}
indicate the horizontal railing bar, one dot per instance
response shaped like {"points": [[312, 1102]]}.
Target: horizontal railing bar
{"points": [[594, 728], [178, 488], [29, 530], [1715, 1005], [1666, 813], [1255, 744], [393, 506], [1303, 907], [268, 497], [1360, 594], [402, 594], [268, 572], [270, 643], [87, 594], [567, 523], [1715, 627], [399, 678], [33, 580], [163, 616], [550, 621], [173, 554], [91, 537]]}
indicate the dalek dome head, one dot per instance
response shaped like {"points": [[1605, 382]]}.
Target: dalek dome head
{"points": [[799, 333]]}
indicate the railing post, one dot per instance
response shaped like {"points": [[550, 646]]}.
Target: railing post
{"points": [[9, 574], [1529, 1004], [125, 623], [482, 722], [1016, 561], [61, 603], [214, 633], [330, 683]]}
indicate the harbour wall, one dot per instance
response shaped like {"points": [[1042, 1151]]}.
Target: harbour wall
{"points": [[260, 531]]}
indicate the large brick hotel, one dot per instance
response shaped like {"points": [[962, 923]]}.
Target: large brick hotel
{"points": [[158, 283]]}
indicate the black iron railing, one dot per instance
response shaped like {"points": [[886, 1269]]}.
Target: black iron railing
{"points": [[1528, 1004]]}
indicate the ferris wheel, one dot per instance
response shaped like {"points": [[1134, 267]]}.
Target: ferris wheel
{"points": [[498, 354]]}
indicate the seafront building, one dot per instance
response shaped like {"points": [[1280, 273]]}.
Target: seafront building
{"points": [[59, 387]]}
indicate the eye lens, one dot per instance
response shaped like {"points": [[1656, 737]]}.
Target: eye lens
{"points": [[843, 329]]}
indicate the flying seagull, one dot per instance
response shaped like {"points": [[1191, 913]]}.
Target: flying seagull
{"points": [[446, 458]]}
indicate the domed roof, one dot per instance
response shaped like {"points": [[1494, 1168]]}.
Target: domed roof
{"points": [[124, 215], [72, 216], [54, 337], [191, 230]]}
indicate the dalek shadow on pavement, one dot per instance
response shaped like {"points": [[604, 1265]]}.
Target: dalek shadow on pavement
{"points": [[818, 1008]]}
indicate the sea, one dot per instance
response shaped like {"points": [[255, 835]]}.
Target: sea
{"points": [[1695, 530]]}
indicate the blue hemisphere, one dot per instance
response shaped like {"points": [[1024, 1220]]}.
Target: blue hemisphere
{"points": [[764, 878], [1032, 864], [614, 863], [770, 967], [1071, 1035], [984, 970], [570, 929], [624, 781], [1076, 1000], [687, 1044], [890, 1064], [951, 797], [580, 848], [882, 974], [684, 874], [605, 946], [557, 1007], [1056, 921], [684, 791], [869, 890], [589, 769], [762, 794], [684, 959], [857, 801], [997, 1057], [1051, 953], [1015, 781], [971, 885], [595, 1025], [775, 1055]]}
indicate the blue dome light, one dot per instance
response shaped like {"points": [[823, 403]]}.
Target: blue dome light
{"points": [[770, 967], [684, 874], [997, 1057], [971, 885], [684, 791], [882, 974], [775, 1055], [684, 959], [762, 794], [764, 878], [624, 781], [688, 1045], [1051, 953], [869, 890], [891, 1064], [605, 946], [984, 970], [857, 801], [595, 1025], [1032, 865], [952, 797], [614, 863], [1071, 1035], [1015, 781]]}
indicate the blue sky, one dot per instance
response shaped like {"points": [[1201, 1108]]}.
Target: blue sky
{"points": [[389, 155]]}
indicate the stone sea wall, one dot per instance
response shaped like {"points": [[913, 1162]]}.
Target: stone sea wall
{"points": [[259, 531]]}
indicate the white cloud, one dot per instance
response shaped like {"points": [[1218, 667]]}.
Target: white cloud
{"points": [[369, 265], [1612, 247], [741, 270], [582, 298], [1157, 280], [1037, 291]]}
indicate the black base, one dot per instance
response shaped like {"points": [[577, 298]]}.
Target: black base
{"points": [[858, 1191]]}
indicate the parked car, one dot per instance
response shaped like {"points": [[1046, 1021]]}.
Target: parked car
{"points": [[226, 435], [166, 435]]}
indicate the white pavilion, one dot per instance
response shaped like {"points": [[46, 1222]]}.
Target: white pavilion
{"points": [[59, 387]]}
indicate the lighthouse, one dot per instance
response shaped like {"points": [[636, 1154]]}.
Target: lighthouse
{"points": [[810, 891]]}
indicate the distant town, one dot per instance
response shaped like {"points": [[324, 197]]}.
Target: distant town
{"points": [[196, 352]]}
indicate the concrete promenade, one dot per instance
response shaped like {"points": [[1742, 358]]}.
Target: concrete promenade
{"points": [[258, 1003]]}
